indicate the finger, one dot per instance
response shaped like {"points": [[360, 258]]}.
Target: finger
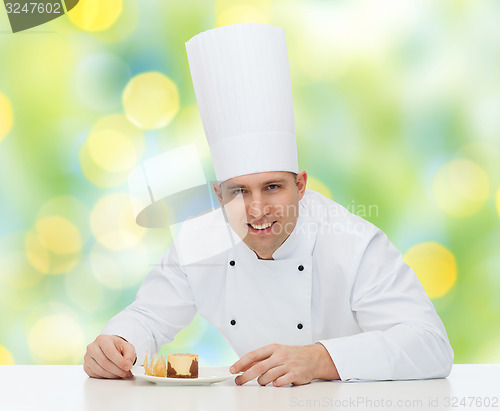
{"points": [[97, 371], [128, 352], [256, 370], [245, 362], [110, 365], [112, 350], [246, 368], [272, 374], [102, 373], [86, 367], [95, 351], [289, 378]]}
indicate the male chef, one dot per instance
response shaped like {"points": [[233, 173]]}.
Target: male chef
{"points": [[309, 291]]}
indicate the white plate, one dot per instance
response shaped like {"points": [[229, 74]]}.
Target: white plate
{"points": [[206, 376]]}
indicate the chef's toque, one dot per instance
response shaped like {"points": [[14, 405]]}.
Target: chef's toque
{"points": [[241, 79]]}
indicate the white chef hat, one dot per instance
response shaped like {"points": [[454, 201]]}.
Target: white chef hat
{"points": [[242, 84]]}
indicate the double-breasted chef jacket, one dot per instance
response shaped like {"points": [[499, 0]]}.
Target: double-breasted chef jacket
{"points": [[336, 280]]}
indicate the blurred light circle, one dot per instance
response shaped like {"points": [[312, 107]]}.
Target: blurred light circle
{"points": [[6, 357], [150, 100], [235, 12], [113, 222], [47, 261], [56, 339], [111, 151], [100, 79], [37, 253], [69, 208], [315, 184], [461, 187], [6, 117], [435, 267], [59, 235], [95, 15]]}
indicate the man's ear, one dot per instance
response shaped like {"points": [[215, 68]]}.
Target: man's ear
{"points": [[218, 191], [301, 181]]}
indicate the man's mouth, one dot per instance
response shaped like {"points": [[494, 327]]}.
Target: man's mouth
{"points": [[263, 228]]}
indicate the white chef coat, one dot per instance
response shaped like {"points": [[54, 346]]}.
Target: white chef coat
{"points": [[336, 280]]}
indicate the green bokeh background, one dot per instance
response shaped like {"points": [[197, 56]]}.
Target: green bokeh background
{"points": [[386, 94]]}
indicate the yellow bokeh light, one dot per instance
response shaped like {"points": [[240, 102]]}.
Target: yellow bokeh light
{"points": [[241, 13], [59, 235], [54, 246], [56, 339], [238, 11], [96, 15], [435, 267], [69, 208], [6, 117], [111, 151], [461, 187], [37, 253], [47, 261], [113, 222], [316, 185], [150, 100], [6, 357]]}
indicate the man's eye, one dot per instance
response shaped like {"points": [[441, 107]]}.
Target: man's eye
{"points": [[237, 191], [273, 186]]}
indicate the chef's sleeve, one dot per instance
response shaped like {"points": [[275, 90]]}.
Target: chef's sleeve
{"points": [[164, 305], [403, 337]]}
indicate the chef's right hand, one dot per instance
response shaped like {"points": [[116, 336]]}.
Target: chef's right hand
{"points": [[109, 356]]}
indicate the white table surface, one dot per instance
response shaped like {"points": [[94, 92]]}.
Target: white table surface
{"points": [[53, 388]]}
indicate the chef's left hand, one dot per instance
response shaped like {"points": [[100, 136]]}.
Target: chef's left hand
{"points": [[284, 364]]}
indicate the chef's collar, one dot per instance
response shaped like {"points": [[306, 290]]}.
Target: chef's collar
{"points": [[299, 242]]}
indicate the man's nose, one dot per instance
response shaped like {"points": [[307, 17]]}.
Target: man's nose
{"points": [[257, 208]]}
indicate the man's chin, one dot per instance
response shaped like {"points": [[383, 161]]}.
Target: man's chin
{"points": [[260, 247]]}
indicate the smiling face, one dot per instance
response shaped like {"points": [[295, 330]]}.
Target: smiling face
{"points": [[262, 208]]}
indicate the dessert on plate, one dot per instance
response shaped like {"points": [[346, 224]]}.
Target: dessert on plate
{"points": [[182, 365]]}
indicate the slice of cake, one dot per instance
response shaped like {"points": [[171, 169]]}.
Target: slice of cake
{"points": [[182, 365]]}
